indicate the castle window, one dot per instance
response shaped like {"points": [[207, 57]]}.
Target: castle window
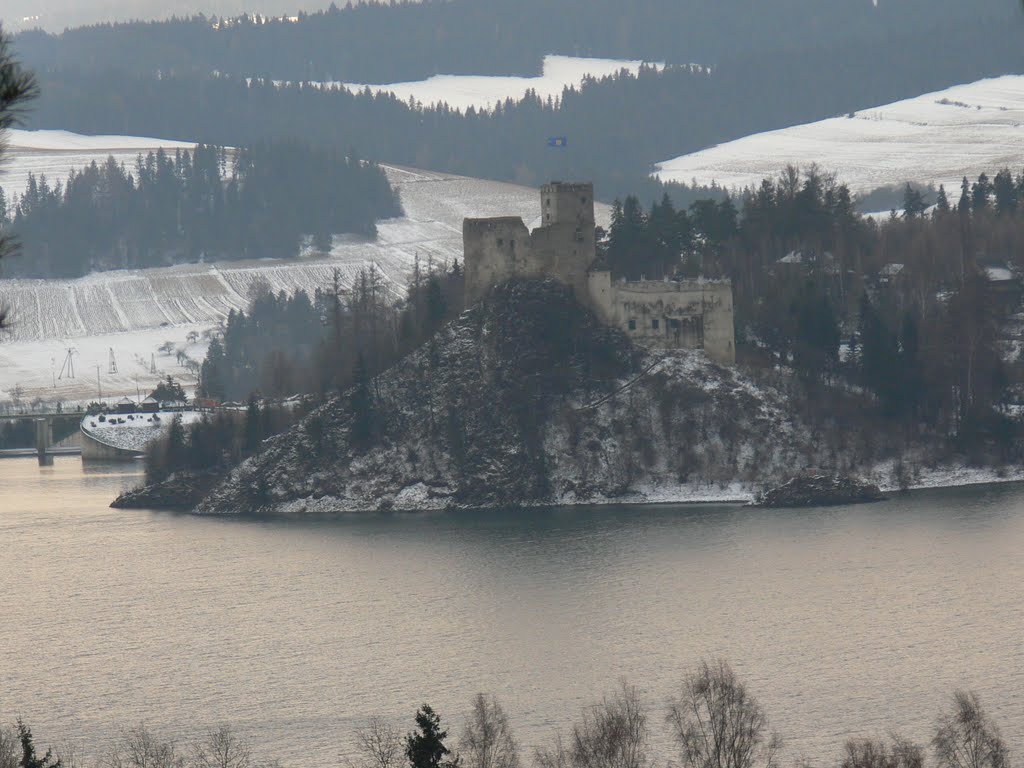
{"points": [[583, 200], [632, 325], [655, 323], [548, 202], [512, 244], [501, 241], [673, 323]]}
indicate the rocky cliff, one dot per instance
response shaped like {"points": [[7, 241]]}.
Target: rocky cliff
{"points": [[528, 399]]}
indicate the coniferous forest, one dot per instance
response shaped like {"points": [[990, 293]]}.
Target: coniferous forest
{"points": [[202, 205], [207, 80]]}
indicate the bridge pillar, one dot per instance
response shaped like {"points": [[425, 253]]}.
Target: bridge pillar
{"points": [[44, 434]]}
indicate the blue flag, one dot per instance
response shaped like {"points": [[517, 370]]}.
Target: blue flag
{"points": [[558, 141]]}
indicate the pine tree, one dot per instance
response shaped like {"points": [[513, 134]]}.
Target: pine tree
{"points": [[426, 748], [29, 759], [980, 193], [913, 202], [964, 206], [177, 452], [253, 425], [360, 403], [16, 88], [1006, 193], [942, 202]]}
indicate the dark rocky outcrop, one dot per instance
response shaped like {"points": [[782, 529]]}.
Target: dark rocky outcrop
{"points": [[820, 491], [181, 491], [527, 399]]}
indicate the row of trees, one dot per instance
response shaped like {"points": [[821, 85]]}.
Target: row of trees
{"points": [[294, 344], [714, 722], [286, 345], [504, 38], [205, 204]]}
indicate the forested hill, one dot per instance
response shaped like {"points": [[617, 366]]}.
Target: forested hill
{"points": [[617, 128], [380, 43], [207, 204]]}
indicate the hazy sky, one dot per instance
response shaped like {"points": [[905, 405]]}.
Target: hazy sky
{"points": [[57, 14]]}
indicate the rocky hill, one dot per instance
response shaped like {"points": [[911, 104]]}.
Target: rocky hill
{"points": [[528, 399]]}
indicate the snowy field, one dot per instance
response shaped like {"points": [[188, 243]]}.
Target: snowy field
{"points": [[134, 312], [483, 92], [932, 139]]}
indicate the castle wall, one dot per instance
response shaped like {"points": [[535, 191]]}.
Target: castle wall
{"points": [[495, 250], [688, 314]]}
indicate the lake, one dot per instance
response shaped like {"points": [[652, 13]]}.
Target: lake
{"points": [[849, 621]]}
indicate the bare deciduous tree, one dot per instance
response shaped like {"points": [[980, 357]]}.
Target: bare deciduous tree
{"points": [[222, 749], [612, 734], [967, 737], [139, 747], [717, 724], [487, 740], [378, 745], [869, 753], [555, 756], [9, 747]]}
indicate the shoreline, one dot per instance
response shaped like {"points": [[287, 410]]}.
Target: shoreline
{"points": [[735, 495]]}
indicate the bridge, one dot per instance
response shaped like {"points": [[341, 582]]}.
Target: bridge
{"points": [[44, 448]]}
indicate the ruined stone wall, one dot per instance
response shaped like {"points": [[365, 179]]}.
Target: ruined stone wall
{"points": [[688, 314], [494, 251]]}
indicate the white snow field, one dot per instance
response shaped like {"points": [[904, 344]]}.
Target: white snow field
{"points": [[134, 312], [936, 139], [484, 92]]}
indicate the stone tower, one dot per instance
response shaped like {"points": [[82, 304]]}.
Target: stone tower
{"points": [[565, 243]]}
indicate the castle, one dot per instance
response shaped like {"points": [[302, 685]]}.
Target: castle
{"points": [[669, 314]]}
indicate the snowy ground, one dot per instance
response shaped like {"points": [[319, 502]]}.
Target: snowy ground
{"points": [[133, 312], [134, 431], [936, 138], [483, 92]]}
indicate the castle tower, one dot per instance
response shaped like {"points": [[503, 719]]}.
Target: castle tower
{"points": [[563, 202], [565, 241]]}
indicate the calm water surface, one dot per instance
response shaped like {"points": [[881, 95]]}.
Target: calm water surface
{"points": [[844, 622]]}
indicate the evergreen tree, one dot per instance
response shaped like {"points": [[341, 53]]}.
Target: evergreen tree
{"points": [[425, 748], [964, 205], [29, 759], [914, 205], [1005, 190], [360, 402], [16, 88], [941, 202], [253, 425], [177, 453], [981, 191]]}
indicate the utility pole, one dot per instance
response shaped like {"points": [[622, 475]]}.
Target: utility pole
{"points": [[99, 389]]}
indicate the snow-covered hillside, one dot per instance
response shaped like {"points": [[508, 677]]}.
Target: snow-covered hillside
{"points": [[936, 138], [482, 92], [54, 153], [135, 312]]}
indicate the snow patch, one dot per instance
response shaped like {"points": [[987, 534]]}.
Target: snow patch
{"points": [[483, 92]]}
